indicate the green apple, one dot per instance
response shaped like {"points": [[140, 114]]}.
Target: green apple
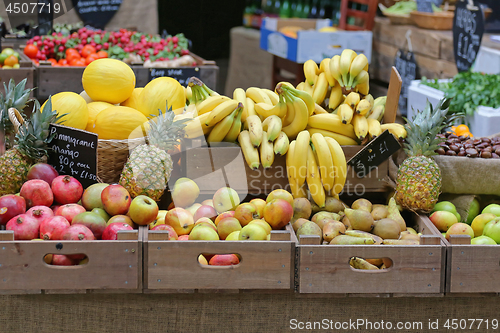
{"points": [[234, 236], [459, 218], [492, 230], [474, 210], [102, 213], [185, 192], [480, 221], [225, 199], [446, 206], [483, 240], [91, 197], [203, 232], [459, 229], [493, 209], [253, 231], [143, 210]]}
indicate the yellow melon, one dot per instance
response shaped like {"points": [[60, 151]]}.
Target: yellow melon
{"points": [[94, 109], [118, 122], [108, 80], [74, 106], [133, 100], [158, 92]]}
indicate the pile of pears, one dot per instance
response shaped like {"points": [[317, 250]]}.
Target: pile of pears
{"points": [[363, 223]]}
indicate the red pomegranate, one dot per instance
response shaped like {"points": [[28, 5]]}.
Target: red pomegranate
{"points": [[24, 226], [42, 171], [67, 189], [53, 228], [41, 213], [37, 192], [78, 232], [69, 211], [11, 205], [62, 260], [111, 231]]}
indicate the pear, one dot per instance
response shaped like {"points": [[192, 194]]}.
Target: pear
{"points": [[411, 230], [394, 214], [332, 229], [401, 242], [298, 223], [410, 236], [310, 229], [347, 223], [359, 219], [379, 212], [321, 217], [387, 229], [362, 204], [332, 205]]}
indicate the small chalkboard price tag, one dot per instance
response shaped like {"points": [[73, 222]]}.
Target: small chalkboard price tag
{"points": [[408, 70], [468, 30], [97, 13], [74, 153], [180, 74], [374, 153]]}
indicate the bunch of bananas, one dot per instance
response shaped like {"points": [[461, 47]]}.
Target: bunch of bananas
{"points": [[322, 172]]}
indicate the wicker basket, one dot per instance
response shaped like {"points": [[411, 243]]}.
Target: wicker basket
{"points": [[112, 156]]}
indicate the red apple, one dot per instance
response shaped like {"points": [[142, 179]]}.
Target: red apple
{"points": [[225, 199], [205, 211], [223, 216], [181, 220], [37, 192], [246, 212], [143, 210], [111, 231], [116, 199], [69, 211], [259, 204], [183, 237], [278, 212], [11, 205], [121, 219], [42, 171], [172, 235], [224, 260]]}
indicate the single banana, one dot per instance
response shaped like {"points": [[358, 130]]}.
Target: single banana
{"points": [[189, 95], [363, 88], [323, 64], [221, 111], [396, 129], [299, 161], [249, 111], [258, 95], [377, 112], [190, 109], [300, 118], [290, 115], [197, 127], [335, 69], [320, 88], [342, 139], [300, 86], [357, 65], [313, 179], [210, 103], [318, 109], [361, 79], [297, 191], [374, 128], [281, 144], [346, 58], [250, 153], [380, 101], [254, 126], [346, 113], [339, 163], [272, 125], [336, 97], [265, 110], [325, 160], [272, 95], [370, 99], [363, 107], [360, 263], [332, 123], [311, 70], [266, 151], [352, 99], [235, 129], [221, 129], [308, 88], [240, 95], [325, 67], [351, 240], [360, 125], [307, 98]]}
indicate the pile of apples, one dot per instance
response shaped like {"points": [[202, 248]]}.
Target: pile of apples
{"points": [[50, 206], [483, 227]]}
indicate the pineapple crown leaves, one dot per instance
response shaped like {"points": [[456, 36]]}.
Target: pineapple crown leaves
{"points": [[423, 128], [16, 96], [163, 131]]}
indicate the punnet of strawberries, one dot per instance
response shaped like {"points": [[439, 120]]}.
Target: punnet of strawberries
{"points": [[85, 45]]}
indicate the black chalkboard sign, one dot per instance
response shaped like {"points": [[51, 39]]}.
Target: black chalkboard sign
{"points": [[180, 74], [74, 153], [374, 153], [96, 13], [45, 17], [468, 29], [408, 70]]}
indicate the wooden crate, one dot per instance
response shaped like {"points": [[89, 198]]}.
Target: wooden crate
{"points": [[113, 266], [172, 266], [52, 80], [416, 270], [217, 166], [26, 70]]}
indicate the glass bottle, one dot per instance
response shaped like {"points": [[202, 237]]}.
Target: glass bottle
{"points": [[306, 9], [284, 11], [299, 7], [314, 9]]}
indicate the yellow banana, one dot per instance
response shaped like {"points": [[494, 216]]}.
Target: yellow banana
{"points": [[300, 118], [272, 125], [346, 58], [396, 129], [363, 88], [364, 234], [221, 129], [190, 109], [266, 151], [299, 159], [210, 103], [309, 88], [265, 110], [297, 191], [339, 164], [258, 95], [380, 100], [360, 125], [240, 95], [342, 139], [318, 109], [314, 179], [300, 86], [323, 64], [361, 79], [272, 95], [307, 98], [249, 111], [235, 129], [346, 113], [336, 97], [189, 94], [250, 153], [290, 115], [331, 122], [363, 107], [281, 144], [360, 263], [221, 111], [335, 69], [377, 112], [370, 99], [374, 128], [320, 88], [352, 99], [311, 70], [197, 127], [325, 67], [357, 65], [351, 240], [254, 126], [325, 160]]}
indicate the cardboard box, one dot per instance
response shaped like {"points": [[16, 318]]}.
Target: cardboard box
{"points": [[311, 44]]}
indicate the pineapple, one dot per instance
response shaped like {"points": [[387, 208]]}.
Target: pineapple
{"points": [[418, 183], [149, 166], [30, 147], [15, 97]]}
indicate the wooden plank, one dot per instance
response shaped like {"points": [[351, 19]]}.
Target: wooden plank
{"points": [[309, 240], [6, 235], [53, 80], [280, 235], [393, 92], [460, 239]]}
